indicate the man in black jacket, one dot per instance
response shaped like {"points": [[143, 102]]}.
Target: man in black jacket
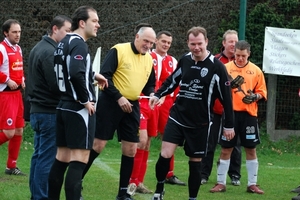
{"points": [[43, 94]]}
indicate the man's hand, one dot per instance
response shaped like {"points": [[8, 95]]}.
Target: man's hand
{"points": [[237, 82], [125, 105], [250, 98], [12, 84], [102, 81], [161, 101], [90, 106], [153, 101], [228, 134]]}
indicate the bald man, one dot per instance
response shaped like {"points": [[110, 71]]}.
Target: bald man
{"points": [[128, 69]]}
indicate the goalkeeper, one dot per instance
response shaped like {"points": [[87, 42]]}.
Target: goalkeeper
{"points": [[248, 86]]}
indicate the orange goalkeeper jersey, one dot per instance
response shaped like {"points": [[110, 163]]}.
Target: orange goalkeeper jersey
{"points": [[254, 81]]}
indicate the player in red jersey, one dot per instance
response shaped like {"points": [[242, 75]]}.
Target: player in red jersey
{"points": [[167, 64], [11, 103], [230, 37]]}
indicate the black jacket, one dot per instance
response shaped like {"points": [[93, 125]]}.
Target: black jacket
{"points": [[41, 85]]}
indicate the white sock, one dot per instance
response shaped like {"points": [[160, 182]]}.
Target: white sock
{"points": [[222, 171], [252, 169]]}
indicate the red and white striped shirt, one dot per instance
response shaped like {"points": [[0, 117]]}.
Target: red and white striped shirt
{"points": [[11, 64]]}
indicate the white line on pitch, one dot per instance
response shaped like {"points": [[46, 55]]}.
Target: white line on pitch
{"points": [[105, 167], [274, 166]]}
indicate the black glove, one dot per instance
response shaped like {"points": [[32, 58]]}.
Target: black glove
{"points": [[237, 82], [250, 98]]}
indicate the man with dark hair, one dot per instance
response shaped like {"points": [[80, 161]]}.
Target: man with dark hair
{"points": [[75, 116], [128, 68], [201, 79], [11, 102], [168, 64], [245, 98], [44, 96]]}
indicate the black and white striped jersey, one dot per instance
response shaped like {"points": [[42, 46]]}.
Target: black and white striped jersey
{"points": [[200, 83], [73, 69]]}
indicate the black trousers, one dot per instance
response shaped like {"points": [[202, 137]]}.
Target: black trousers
{"points": [[207, 162]]}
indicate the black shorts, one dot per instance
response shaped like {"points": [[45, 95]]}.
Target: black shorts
{"points": [[193, 139], [246, 129], [75, 128], [111, 118]]}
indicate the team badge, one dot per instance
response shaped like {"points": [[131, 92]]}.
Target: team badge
{"points": [[171, 64], [78, 57], [203, 72], [154, 62], [9, 121]]}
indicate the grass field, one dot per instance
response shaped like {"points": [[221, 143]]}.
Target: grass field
{"points": [[279, 172]]}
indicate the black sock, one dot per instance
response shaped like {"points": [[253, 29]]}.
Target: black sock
{"points": [[92, 157], [56, 179], [125, 173], [161, 170], [194, 178], [73, 180]]}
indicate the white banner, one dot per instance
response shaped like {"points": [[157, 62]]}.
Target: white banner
{"points": [[282, 51]]}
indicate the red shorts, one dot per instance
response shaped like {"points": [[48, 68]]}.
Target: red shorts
{"points": [[164, 111], [148, 118], [12, 110]]}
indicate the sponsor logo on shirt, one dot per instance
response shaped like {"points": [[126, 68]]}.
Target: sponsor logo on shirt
{"points": [[78, 57]]}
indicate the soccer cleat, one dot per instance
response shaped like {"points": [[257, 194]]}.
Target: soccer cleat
{"points": [[131, 189], [158, 196], [14, 171], [142, 189], [203, 181], [174, 181], [296, 197], [296, 190], [235, 181], [254, 189], [218, 188], [124, 197]]}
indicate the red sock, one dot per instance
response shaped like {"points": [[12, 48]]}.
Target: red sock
{"points": [[13, 151], [138, 158], [3, 138], [171, 169], [143, 168]]}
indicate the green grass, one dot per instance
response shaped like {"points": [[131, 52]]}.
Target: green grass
{"points": [[279, 167]]}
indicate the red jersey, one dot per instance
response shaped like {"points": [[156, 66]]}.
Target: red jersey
{"points": [[165, 65], [218, 107], [11, 64]]}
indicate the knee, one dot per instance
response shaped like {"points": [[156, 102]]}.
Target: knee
{"points": [[9, 133], [250, 153], [226, 152], [165, 153], [129, 148], [129, 152], [19, 131], [99, 145]]}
